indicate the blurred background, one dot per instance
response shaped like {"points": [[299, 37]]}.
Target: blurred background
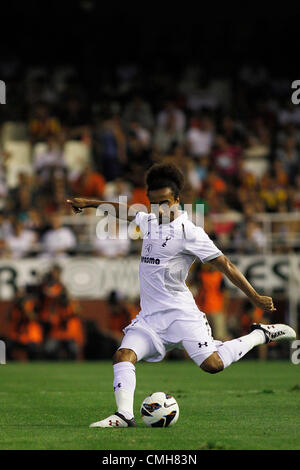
{"points": [[94, 96]]}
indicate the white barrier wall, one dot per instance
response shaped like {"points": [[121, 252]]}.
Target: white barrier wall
{"points": [[94, 278]]}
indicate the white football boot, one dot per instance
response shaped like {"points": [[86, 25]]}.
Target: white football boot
{"points": [[277, 332], [116, 420]]}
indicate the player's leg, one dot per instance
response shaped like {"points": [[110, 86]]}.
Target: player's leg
{"points": [[214, 356], [233, 350], [136, 345], [196, 338]]}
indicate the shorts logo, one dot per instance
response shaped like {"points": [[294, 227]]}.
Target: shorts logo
{"points": [[117, 386], [203, 344]]}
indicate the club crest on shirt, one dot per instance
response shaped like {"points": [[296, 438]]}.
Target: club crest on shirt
{"points": [[166, 240]]}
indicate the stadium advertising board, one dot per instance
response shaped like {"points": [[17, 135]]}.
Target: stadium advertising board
{"points": [[94, 278]]}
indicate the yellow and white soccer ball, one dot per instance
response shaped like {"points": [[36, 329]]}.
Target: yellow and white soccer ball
{"points": [[159, 410]]}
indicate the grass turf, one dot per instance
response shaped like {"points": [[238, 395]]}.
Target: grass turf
{"points": [[250, 405]]}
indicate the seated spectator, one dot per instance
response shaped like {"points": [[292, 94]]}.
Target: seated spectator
{"points": [[199, 137], [139, 111], [109, 147], [58, 240], [233, 133], [141, 133], [226, 159], [167, 135], [138, 145], [115, 188], [255, 157], [171, 112], [256, 240], [112, 242], [295, 195], [288, 154], [75, 119], [289, 130], [51, 163], [289, 113], [88, 184], [21, 242], [42, 125], [21, 195]]}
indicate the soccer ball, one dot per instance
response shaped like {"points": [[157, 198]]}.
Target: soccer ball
{"points": [[159, 410]]}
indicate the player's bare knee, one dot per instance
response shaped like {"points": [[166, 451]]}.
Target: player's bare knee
{"points": [[213, 364], [122, 355]]}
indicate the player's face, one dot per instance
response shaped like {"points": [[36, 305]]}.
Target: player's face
{"points": [[163, 204]]}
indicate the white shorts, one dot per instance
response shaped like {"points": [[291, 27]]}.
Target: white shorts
{"points": [[151, 344]]}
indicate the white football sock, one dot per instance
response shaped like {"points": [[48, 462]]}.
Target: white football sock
{"points": [[233, 350], [124, 387]]}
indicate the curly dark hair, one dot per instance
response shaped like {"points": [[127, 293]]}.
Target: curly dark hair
{"points": [[162, 175]]}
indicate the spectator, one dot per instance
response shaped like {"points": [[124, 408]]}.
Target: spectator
{"points": [[50, 163], [212, 298], [25, 333], [289, 156], [21, 242], [88, 184], [109, 147], [65, 337], [75, 119], [139, 111], [116, 241], [119, 315], [226, 159], [168, 135], [255, 157], [173, 114], [59, 240], [199, 137], [42, 125]]}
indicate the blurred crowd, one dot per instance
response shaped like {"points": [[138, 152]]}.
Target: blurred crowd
{"points": [[237, 140], [45, 323]]}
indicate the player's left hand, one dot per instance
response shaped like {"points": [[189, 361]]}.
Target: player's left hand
{"points": [[265, 303]]}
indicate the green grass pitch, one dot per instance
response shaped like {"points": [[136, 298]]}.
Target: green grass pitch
{"points": [[250, 405]]}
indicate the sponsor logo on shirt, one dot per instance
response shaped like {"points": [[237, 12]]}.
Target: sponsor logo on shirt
{"points": [[146, 259]]}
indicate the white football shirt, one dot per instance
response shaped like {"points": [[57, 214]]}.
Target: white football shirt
{"points": [[168, 252]]}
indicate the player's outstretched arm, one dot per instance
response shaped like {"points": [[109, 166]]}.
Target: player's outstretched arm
{"points": [[223, 264], [80, 203]]}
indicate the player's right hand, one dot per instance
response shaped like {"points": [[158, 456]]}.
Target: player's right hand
{"points": [[77, 204], [265, 303]]}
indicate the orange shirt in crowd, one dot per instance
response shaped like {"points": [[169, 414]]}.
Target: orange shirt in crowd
{"points": [[139, 196], [66, 326], [41, 129], [90, 185], [211, 297], [27, 332]]}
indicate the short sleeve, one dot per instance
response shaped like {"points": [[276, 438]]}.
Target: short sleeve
{"points": [[142, 220], [202, 246]]}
